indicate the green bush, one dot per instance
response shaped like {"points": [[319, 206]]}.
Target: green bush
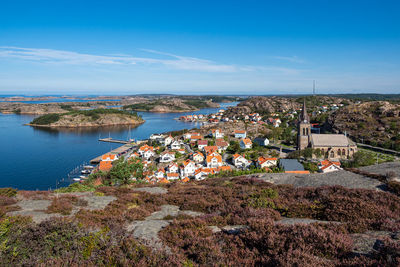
{"points": [[75, 187], [46, 119]]}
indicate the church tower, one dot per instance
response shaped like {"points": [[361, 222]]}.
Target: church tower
{"points": [[304, 129]]}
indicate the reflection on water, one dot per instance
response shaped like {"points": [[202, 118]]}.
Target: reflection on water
{"points": [[86, 130], [36, 158]]}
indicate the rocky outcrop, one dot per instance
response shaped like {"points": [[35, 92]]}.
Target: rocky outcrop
{"points": [[76, 121], [170, 105], [261, 104], [376, 122]]}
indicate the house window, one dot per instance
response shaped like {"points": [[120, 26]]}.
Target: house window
{"points": [[343, 152], [304, 131], [332, 153], [339, 152], [307, 131]]}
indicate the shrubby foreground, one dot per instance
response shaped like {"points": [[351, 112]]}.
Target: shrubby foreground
{"points": [[251, 207]]}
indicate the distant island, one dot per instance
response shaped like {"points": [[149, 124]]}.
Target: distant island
{"points": [[88, 118], [172, 105]]}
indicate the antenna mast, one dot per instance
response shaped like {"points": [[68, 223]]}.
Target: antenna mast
{"points": [[313, 90]]}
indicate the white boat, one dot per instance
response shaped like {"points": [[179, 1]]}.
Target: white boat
{"points": [[85, 172], [76, 179], [88, 167], [83, 177]]}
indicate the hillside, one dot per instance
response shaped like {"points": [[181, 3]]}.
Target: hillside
{"points": [[242, 221], [375, 123], [274, 104], [88, 118], [171, 105]]}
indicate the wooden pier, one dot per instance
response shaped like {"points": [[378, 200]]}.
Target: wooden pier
{"points": [[111, 140], [118, 151]]}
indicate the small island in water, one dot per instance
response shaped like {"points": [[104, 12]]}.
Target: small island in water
{"points": [[88, 118]]}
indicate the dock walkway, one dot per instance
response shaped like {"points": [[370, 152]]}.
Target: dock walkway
{"points": [[119, 151]]}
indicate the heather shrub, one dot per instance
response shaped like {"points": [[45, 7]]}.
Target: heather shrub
{"points": [[64, 204], [35, 195], [8, 192], [394, 187], [129, 206], [60, 242]]}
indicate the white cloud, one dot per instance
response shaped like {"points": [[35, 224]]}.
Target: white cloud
{"points": [[292, 59], [173, 61], [68, 57]]}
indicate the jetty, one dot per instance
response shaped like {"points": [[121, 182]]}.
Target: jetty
{"points": [[119, 151], [111, 140]]}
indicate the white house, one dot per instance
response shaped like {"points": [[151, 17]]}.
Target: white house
{"points": [[326, 166], [198, 157], [168, 140], [157, 137], [172, 176], [148, 154], [216, 133], [240, 134], [240, 162], [266, 162], [173, 168], [201, 144], [188, 168], [167, 156], [221, 144], [245, 143], [160, 173], [214, 160], [261, 141], [175, 145]]}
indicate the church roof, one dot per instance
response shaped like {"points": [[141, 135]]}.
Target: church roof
{"points": [[330, 140]]}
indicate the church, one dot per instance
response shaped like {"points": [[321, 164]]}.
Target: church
{"points": [[332, 146]]}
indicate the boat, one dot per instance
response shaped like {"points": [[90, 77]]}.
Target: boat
{"points": [[85, 172], [83, 177], [76, 179], [88, 167]]}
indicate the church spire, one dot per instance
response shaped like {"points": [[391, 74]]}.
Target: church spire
{"points": [[304, 115]]}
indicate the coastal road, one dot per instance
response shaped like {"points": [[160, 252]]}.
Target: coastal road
{"points": [[188, 148]]}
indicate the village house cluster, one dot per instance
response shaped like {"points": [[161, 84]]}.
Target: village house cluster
{"points": [[193, 155]]}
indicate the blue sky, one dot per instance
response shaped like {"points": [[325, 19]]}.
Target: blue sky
{"points": [[198, 47]]}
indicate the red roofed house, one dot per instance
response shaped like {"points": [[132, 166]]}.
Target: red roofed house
{"points": [[198, 157], [326, 166], [214, 160], [216, 133], [188, 168], [240, 161], [246, 143], [173, 167], [210, 149], [266, 162], [172, 176], [240, 134], [106, 162], [201, 144], [221, 144]]}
